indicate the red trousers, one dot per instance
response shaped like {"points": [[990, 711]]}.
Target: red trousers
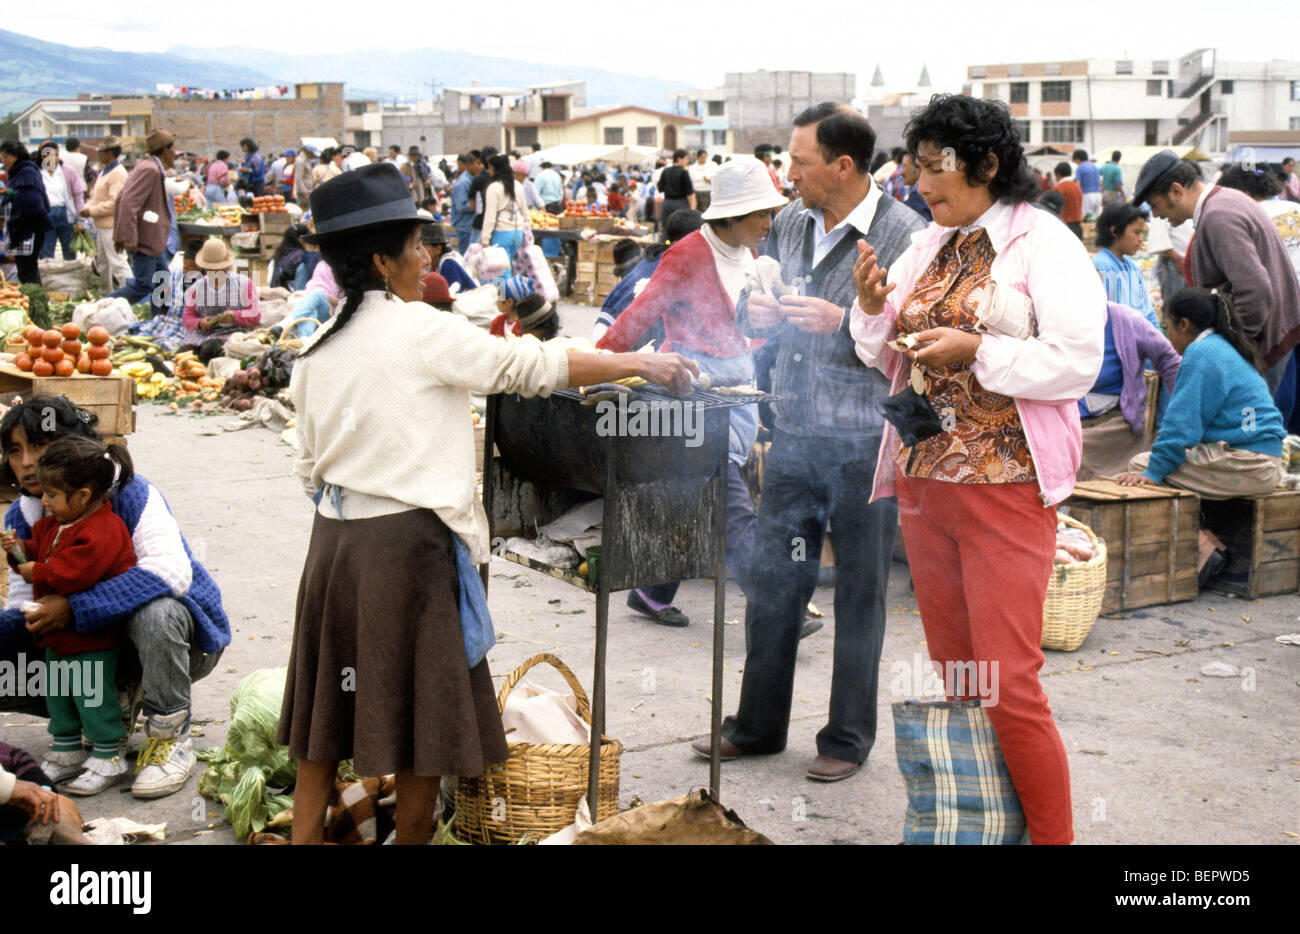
{"points": [[980, 556]]}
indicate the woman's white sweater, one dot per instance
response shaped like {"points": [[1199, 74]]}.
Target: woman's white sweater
{"points": [[500, 213], [384, 410]]}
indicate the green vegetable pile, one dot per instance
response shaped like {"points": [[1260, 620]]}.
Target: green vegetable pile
{"points": [[239, 773], [38, 306]]}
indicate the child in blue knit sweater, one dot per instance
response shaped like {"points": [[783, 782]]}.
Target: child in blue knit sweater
{"points": [[1222, 435]]}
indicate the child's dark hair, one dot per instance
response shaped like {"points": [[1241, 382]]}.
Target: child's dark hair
{"points": [[75, 461], [1207, 309]]}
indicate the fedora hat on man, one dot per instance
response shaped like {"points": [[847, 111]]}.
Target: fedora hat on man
{"points": [[158, 140], [107, 143], [368, 196]]}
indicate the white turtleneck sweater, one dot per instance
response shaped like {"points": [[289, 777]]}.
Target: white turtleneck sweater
{"points": [[393, 430], [735, 263]]}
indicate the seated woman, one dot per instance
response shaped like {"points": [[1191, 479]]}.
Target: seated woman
{"points": [[293, 263], [1121, 232], [446, 262], [222, 302], [1114, 411], [168, 330], [1222, 435]]}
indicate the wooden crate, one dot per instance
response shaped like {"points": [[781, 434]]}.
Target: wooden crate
{"points": [[596, 251], [110, 398], [1151, 541], [1262, 535], [275, 221]]}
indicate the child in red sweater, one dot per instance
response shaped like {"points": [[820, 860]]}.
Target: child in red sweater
{"points": [[78, 543]]}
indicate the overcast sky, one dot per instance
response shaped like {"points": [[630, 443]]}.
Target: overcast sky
{"points": [[706, 39]]}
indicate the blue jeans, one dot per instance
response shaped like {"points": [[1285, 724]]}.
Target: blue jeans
{"points": [[807, 481], [313, 305], [62, 230], [217, 195], [464, 234], [149, 279]]}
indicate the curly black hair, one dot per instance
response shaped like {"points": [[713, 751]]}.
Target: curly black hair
{"points": [[1259, 183], [975, 129]]}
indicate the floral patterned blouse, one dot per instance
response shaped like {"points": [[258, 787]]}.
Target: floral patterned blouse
{"points": [[983, 440]]}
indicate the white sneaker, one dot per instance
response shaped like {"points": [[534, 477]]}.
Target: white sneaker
{"points": [[60, 766], [99, 774], [167, 757]]}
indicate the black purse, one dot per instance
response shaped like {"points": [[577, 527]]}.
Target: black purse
{"points": [[913, 415]]}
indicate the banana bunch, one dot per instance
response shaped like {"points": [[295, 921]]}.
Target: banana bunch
{"points": [[148, 382]]}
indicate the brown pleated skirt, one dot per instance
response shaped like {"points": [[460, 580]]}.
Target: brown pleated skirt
{"points": [[378, 672]]}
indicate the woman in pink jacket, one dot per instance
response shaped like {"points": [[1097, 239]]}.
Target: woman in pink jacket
{"points": [[67, 194], [1006, 315]]}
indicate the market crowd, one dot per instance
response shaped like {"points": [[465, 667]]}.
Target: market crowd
{"points": [[951, 346]]}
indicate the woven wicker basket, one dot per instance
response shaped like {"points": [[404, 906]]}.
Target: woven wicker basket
{"points": [[536, 791], [1074, 595], [289, 338]]}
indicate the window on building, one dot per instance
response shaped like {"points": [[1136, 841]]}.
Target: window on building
{"points": [[613, 136], [1160, 68], [525, 135], [1295, 123], [1225, 87], [1124, 68], [1052, 68], [1152, 133], [980, 71], [1062, 131], [1022, 129], [1155, 88], [1056, 91], [356, 108], [1015, 71], [719, 137], [717, 108], [647, 136], [1019, 92], [1295, 90], [555, 108]]}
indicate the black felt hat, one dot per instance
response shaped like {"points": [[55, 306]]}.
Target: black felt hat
{"points": [[367, 196], [1152, 171]]}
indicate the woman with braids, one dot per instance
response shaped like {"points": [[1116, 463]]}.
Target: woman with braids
{"points": [[1222, 435], [1007, 315], [379, 670]]}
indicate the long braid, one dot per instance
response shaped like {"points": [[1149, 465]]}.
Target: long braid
{"points": [[1229, 325]]}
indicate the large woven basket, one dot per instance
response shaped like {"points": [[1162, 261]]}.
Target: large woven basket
{"points": [[289, 337], [1074, 595], [536, 791]]}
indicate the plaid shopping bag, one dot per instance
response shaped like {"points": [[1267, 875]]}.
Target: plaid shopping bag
{"points": [[958, 788]]}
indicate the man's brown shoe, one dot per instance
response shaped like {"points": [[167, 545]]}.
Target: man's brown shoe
{"points": [[703, 747], [827, 769]]}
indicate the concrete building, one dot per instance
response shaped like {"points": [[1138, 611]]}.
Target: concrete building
{"points": [[1102, 104], [618, 126], [762, 105], [755, 107], [709, 107]]}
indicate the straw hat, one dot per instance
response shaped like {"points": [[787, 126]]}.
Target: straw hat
{"points": [[215, 254], [740, 187]]}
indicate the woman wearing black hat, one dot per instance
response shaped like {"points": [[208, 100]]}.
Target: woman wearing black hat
{"points": [[379, 670]]}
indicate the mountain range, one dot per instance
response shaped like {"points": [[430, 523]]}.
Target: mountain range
{"points": [[33, 68]]}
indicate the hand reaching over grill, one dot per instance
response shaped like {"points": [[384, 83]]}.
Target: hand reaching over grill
{"points": [[669, 370]]}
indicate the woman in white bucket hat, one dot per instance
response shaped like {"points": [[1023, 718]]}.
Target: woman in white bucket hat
{"points": [[693, 292]]}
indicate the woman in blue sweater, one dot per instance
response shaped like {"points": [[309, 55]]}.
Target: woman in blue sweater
{"points": [[1222, 435]]}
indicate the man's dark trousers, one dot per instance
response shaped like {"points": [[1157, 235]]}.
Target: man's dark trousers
{"points": [[808, 480]]}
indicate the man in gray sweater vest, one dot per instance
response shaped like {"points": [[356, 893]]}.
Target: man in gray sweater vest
{"points": [[824, 446]]}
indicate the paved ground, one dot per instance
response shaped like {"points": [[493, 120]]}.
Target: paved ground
{"points": [[1158, 752]]}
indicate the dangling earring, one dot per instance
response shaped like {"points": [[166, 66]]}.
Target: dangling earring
{"points": [[388, 289]]}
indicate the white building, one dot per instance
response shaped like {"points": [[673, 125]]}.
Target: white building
{"points": [[709, 106], [1106, 103], [88, 120]]}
